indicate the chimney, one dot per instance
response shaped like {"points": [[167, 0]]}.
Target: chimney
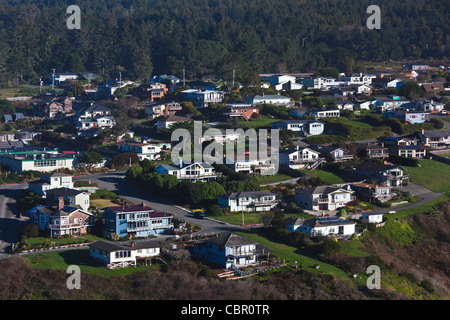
{"points": [[132, 244], [60, 203], [143, 204], [181, 163]]}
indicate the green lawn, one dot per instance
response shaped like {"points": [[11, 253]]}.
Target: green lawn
{"points": [[273, 179], [62, 259], [292, 254], [326, 176], [431, 174]]}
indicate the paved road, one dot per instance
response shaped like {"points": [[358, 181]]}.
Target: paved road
{"points": [[115, 182], [10, 220]]}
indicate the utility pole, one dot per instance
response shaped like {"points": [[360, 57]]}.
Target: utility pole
{"points": [[53, 83], [234, 72], [184, 77], [40, 85]]}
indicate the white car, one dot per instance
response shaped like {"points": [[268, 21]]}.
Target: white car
{"points": [[445, 112]]}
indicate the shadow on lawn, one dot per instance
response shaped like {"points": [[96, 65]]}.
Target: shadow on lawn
{"points": [[80, 257]]}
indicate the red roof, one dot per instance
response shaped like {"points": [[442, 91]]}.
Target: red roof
{"points": [[68, 152]]}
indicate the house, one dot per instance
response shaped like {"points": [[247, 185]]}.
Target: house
{"points": [[320, 113], [372, 217], [385, 83], [118, 255], [435, 88], [389, 102], [365, 105], [334, 154], [373, 150], [411, 151], [300, 158], [250, 201], [323, 198], [71, 197], [249, 164], [63, 220], [436, 139], [202, 98], [166, 123], [398, 141], [143, 150], [407, 116], [197, 171], [243, 110], [325, 226], [161, 108], [63, 76], [43, 161], [151, 91], [343, 105], [50, 181], [137, 221], [56, 106], [373, 192], [356, 78], [94, 116], [321, 83], [379, 173], [305, 128], [430, 106], [268, 99], [228, 251]]}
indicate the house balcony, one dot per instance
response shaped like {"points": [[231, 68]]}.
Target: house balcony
{"points": [[343, 158], [265, 203], [148, 228], [199, 176], [66, 226]]}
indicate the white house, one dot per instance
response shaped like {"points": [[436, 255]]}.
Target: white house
{"points": [[324, 226], [300, 158], [372, 217], [143, 150], [268, 99], [259, 164], [202, 98], [197, 171], [318, 113], [166, 123], [323, 198], [356, 78], [250, 201], [116, 255], [302, 126], [50, 181]]}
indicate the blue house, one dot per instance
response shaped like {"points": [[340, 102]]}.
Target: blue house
{"points": [[136, 221]]}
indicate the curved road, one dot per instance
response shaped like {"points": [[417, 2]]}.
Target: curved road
{"points": [[11, 221]]}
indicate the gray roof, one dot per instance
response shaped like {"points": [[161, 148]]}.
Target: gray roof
{"points": [[238, 195], [319, 190], [110, 246], [63, 192], [436, 133], [230, 239], [326, 221]]}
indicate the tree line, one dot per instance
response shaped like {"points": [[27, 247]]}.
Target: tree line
{"points": [[211, 38]]}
